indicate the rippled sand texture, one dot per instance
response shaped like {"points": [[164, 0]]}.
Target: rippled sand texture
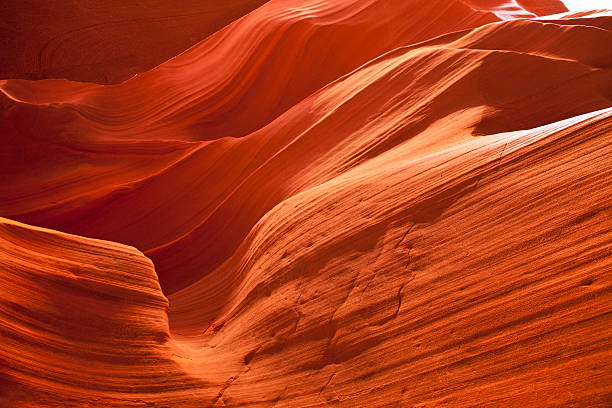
{"points": [[358, 203]]}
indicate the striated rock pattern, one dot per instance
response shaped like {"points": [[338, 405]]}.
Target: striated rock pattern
{"points": [[84, 322], [350, 203]]}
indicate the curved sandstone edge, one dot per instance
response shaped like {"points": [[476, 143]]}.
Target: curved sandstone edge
{"points": [[476, 275], [83, 323]]}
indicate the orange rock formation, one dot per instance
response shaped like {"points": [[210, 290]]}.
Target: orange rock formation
{"points": [[343, 202]]}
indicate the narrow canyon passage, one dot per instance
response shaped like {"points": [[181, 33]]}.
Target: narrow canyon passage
{"points": [[307, 203]]}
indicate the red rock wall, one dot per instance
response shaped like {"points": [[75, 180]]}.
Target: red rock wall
{"points": [[352, 203]]}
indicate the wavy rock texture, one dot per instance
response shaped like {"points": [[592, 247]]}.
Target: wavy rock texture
{"points": [[84, 322], [352, 203]]}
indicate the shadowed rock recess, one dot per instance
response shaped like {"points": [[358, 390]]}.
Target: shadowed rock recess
{"points": [[305, 203]]}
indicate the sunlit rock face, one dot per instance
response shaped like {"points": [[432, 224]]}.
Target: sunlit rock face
{"points": [[306, 203]]}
